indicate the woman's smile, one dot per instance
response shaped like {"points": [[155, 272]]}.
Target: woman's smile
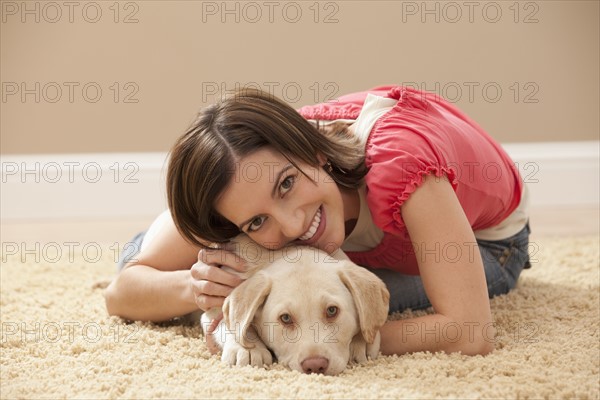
{"points": [[316, 229]]}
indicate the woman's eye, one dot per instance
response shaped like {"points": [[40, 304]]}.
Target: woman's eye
{"points": [[287, 184], [256, 224], [285, 319], [331, 311]]}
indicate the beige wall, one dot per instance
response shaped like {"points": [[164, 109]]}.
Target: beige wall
{"points": [[156, 70]]}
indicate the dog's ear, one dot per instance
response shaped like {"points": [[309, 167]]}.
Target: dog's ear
{"points": [[371, 298], [241, 306]]}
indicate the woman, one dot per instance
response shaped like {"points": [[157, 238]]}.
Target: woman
{"points": [[402, 181]]}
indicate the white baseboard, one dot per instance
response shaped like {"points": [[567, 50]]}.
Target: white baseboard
{"points": [[559, 174], [94, 185], [131, 185]]}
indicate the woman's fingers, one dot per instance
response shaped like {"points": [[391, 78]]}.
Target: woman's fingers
{"points": [[211, 283], [220, 257], [207, 302], [205, 272], [208, 288]]}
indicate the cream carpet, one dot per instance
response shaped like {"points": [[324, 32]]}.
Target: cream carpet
{"points": [[58, 342]]}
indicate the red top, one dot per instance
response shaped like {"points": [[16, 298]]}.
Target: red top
{"points": [[423, 134]]}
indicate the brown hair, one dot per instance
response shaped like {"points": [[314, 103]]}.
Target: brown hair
{"points": [[202, 161]]}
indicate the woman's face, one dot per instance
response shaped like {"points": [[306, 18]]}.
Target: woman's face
{"points": [[276, 204]]}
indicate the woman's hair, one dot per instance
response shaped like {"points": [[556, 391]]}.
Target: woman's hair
{"points": [[203, 160]]}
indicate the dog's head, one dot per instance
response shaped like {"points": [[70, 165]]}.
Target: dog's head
{"points": [[308, 307]]}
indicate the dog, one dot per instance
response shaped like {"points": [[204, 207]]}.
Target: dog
{"points": [[312, 311]]}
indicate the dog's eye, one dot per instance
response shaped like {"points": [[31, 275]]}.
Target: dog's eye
{"points": [[285, 319], [331, 311]]}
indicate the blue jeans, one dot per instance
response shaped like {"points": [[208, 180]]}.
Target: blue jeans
{"points": [[503, 261]]}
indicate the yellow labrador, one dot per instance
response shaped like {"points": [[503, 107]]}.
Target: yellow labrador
{"points": [[314, 312]]}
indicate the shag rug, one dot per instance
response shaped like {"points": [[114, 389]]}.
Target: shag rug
{"points": [[57, 341]]}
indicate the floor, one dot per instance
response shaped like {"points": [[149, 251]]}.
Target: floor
{"points": [[544, 222]]}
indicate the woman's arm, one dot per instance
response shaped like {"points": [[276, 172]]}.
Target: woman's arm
{"points": [[171, 278], [143, 293], [157, 285], [453, 276]]}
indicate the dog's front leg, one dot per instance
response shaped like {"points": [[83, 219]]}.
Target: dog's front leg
{"points": [[254, 352], [233, 352], [212, 326], [360, 350]]}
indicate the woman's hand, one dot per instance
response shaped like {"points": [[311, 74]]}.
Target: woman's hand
{"points": [[210, 282]]}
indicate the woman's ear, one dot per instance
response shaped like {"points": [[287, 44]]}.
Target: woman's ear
{"points": [[322, 159]]}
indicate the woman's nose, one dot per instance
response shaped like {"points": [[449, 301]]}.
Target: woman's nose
{"points": [[292, 225]]}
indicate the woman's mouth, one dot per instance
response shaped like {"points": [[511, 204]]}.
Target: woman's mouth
{"points": [[316, 228]]}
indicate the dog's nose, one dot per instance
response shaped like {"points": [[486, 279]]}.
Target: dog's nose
{"points": [[315, 365]]}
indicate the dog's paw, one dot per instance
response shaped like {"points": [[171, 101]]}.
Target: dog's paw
{"points": [[361, 351], [236, 354]]}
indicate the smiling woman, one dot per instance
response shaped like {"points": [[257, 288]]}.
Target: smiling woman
{"points": [[398, 179], [219, 151]]}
